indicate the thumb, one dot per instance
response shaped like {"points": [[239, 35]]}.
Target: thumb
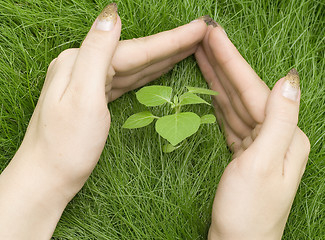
{"points": [[96, 52], [281, 119]]}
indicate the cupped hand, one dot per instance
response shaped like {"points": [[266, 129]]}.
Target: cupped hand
{"points": [[138, 61], [65, 136], [70, 124], [71, 120], [256, 191]]}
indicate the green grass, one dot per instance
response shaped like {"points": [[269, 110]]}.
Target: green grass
{"points": [[136, 191]]}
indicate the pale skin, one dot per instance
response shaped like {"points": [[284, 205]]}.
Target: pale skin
{"points": [[70, 125], [256, 191]]}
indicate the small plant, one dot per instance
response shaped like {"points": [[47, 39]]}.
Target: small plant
{"points": [[178, 126]]}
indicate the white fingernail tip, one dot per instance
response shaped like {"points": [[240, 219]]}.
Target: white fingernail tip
{"points": [[105, 25], [107, 18], [290, 88]]}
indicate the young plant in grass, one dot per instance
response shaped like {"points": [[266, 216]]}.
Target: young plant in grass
{"points": [[178, 126]]}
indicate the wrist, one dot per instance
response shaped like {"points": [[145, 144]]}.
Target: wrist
{"points": [[31, 200], [32, 172]]}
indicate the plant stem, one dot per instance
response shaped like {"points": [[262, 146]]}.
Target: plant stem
{"points": [[177, 108]]}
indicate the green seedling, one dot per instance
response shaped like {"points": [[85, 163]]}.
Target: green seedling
{"points": [[178, 126]]}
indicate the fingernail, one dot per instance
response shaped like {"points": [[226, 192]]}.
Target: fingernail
{"points": [[107, 18], [290, 88], [208, 20]]}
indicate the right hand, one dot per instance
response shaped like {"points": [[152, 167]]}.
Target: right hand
{"points": [[256, 191]]}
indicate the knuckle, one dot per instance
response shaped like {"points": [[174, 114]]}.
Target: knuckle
{"points": [[52, 64], [147, 57], [92, 42], [246, 142], [66, 55], [305, 143], [256, 131], [282, 119]]}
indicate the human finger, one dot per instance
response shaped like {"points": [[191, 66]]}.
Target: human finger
{"points": [[114, 93], [95, 54], [296, 158], [280, 122], [250, 138], [238, 106], [136, 54], [233, 120], [233, 141], [58, 75], [231, 92], [252, 91], [246, 142], [130, 80]]}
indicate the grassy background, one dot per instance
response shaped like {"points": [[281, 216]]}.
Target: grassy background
{"points": [[136, 192]]}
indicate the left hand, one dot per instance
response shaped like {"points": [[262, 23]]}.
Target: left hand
{"points": [[65, 136], [138, 61], [71, 120], [70, 124]]}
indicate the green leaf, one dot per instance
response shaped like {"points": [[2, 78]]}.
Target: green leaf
{"points": [[154, 95], [209, 118], [139, 120], [190, 98], [175, 128], [168, 148], [202, 91]]}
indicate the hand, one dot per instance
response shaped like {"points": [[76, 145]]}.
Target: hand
{"points": [[256, 191], [70, 124], [137, 62], [65, 136]]}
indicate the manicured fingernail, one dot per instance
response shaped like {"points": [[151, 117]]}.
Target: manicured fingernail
{"points": [[290, 87], [208, 20], [107, 18]]}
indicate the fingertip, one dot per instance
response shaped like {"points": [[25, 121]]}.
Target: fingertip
{"points": [[222, 48], [107, 19], [199, 22], [217, 34], [290, 86], [96, 52], [207, 35], [199, 28], [280, 122], [283, 102], [285, 94]]}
